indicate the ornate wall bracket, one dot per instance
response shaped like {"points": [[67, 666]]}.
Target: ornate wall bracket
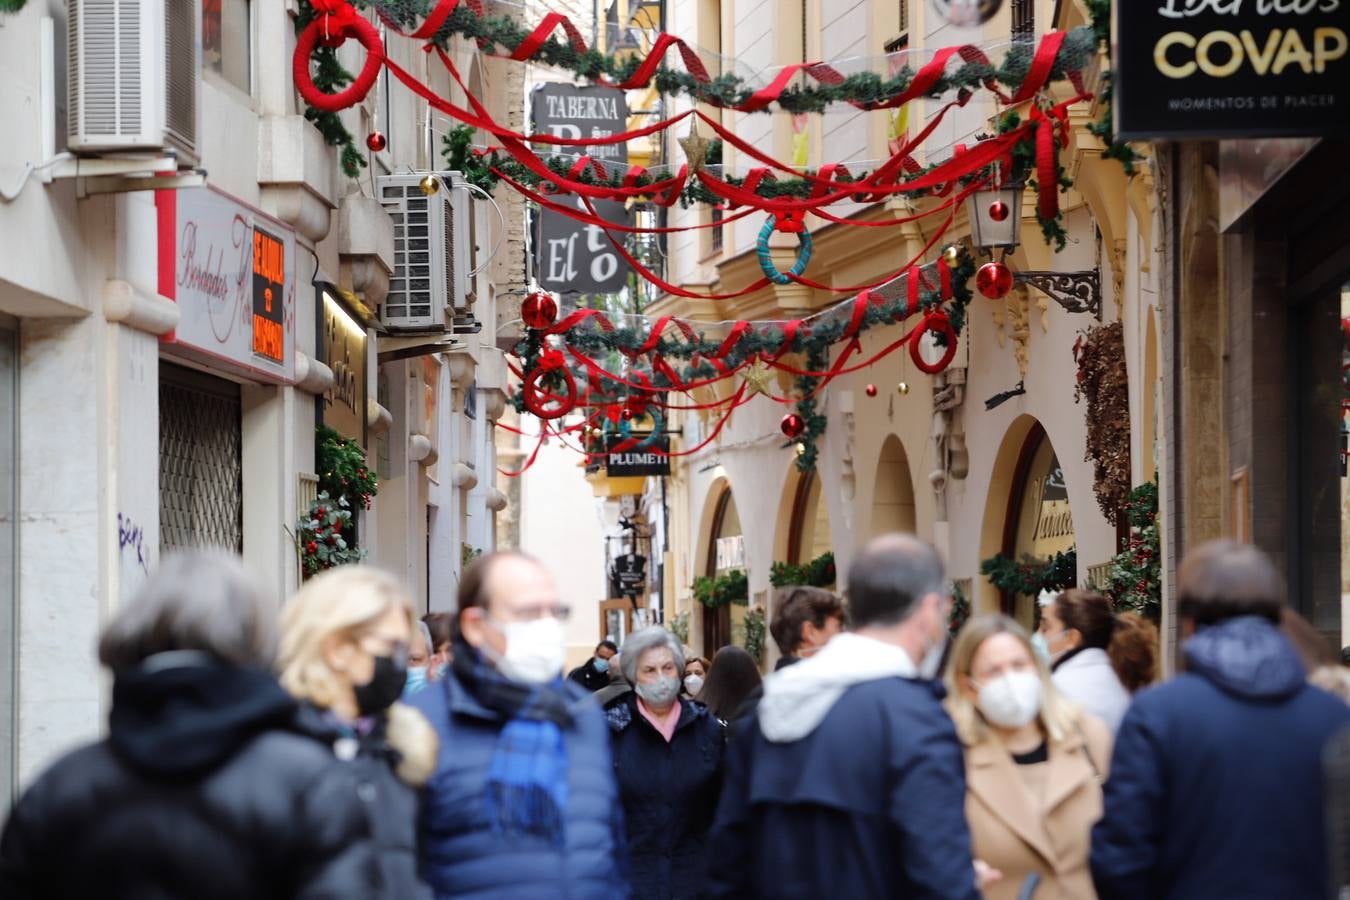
{"points": [[1077, 292]]}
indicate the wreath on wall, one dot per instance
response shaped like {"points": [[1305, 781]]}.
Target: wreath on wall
{"points": [[755, 633], [1104, 382], [1030, 576], [819, 572], [716, 591], [1135, 579]]}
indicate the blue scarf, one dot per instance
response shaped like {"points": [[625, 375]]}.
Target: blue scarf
{"points": [[527, 778]]}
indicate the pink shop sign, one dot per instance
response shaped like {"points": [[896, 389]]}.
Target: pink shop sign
{"points": [[231, 270]]}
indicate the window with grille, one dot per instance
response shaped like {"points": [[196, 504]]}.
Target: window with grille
{"points": [[1023, 19], [200, 461], [717, 230]]}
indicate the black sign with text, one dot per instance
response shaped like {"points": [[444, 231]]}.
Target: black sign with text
{"points": [[573, 257], [1231, 68], [628, 575], [639, 461]]}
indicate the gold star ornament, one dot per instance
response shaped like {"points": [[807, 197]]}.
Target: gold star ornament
{"points": [[757, 378], [695, 148]]}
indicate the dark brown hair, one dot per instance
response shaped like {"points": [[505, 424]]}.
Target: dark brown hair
{"points": [[1223, 580], [441, 626], [732, 678], [1130, 640], [794, 607]]}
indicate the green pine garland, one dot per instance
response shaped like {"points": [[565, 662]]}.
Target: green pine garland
{"points": [[1135, 581], [819, 572], [330, 77], [714, 591], [1031, 576], [1105, 127], [730, 89]]}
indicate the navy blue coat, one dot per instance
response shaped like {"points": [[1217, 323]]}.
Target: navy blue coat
{"points": [[669, 793], [1216, 786], [871, 804], [461, 855]]}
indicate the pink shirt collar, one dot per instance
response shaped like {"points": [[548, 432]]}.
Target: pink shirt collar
{"points": [[665, 724]]}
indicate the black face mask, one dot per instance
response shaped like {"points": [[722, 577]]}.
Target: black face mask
{"points": [[385, 686]]}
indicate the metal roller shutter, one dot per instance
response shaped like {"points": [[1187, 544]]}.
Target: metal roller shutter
{"points": [[200, 470]]}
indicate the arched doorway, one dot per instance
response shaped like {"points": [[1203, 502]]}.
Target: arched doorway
{"points": [[809, 528], [1039, 522], [725, 552], [893, 493]]}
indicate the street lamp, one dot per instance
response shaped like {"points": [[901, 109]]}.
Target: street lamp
{"points": [[995, 224]]}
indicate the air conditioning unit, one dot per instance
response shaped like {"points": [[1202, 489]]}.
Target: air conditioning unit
{"points": [[134, 76], [429, 287]]}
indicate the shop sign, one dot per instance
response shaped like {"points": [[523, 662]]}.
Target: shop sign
{"points": [[639, 462], [628, 575], [1046, 524], [231, 270], [1232, 68], [344, 351], [575, 258], [730, 552]]}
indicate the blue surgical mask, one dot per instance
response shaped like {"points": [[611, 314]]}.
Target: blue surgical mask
{"points": [[601, 665], [417, 679], [440, 671], [1041, 647]]}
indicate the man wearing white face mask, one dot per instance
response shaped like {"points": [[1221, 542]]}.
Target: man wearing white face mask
{"points": [[847, 781], [524, 796]]}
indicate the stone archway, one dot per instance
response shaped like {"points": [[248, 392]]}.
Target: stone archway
{"points": [[893, 506]]}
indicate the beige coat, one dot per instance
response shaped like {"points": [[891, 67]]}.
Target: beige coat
{"points": [[1009, 833]]}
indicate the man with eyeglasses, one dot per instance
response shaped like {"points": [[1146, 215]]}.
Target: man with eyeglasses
{"points": [[523, 800]]}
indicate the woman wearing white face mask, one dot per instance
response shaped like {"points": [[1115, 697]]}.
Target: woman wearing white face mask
{"points": [[1034, 763]]}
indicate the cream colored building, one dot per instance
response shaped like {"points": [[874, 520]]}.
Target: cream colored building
{"points": [[1008, 480], [125, 431]]}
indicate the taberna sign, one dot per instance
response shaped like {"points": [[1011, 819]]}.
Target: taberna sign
{"points": [[1231, 68], [639, 461], [572, 257]]}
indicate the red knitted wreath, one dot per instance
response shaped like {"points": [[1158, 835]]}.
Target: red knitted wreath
{"points": [[335, 23], [938, 323]]}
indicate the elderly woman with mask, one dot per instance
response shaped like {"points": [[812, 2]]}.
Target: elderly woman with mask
{"points": [[668, 756]]}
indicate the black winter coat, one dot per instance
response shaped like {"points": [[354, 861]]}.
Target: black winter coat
{"points": [[669, 793], [202, 790], [393, 804]]}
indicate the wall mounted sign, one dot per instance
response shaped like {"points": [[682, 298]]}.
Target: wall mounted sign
{"points": [[231, 270], [344, 351], [573, 258], [1232, 68], [639, 462], [628, 575]]}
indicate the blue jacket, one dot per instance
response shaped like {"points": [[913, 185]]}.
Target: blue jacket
{"points": [[1216, 786], [669, 793], [870, 804], [461, 855]]}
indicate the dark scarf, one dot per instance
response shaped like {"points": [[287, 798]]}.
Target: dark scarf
{"points": [[527, 779]]}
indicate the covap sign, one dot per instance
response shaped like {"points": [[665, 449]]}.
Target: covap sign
{"points": [[1231, 68]]}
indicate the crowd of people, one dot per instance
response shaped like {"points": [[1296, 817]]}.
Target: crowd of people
{"points": [[339, 747]]}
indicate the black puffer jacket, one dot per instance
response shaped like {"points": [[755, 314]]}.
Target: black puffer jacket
{"points": [[669, 793], [393, 805], [202, 790]]}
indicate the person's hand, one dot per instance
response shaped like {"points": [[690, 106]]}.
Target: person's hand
{"points": [[985, 874]]}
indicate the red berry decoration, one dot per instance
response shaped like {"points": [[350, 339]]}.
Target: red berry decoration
{"points": [[792, 425], [312, 547], [994, 280], [376, 141], [870, 390], [539, 310], [998, 211]]}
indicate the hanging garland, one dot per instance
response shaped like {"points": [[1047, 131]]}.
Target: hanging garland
{"points": [[1104, 383], [1135, 580], [1030, 576], [330, 77], [1104, 129], [441, 20]]}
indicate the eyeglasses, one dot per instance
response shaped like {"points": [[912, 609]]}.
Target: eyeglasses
{"points": [[539, 611]]}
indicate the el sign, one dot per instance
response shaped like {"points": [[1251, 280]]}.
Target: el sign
{"points": [[1232, 68]]}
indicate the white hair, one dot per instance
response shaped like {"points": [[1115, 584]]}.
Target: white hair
{"points": [[644, 639]]}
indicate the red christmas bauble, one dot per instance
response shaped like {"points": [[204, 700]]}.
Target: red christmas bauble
{"points": [[539, 310], [998, 210], [376, 141], [870, 390], [792, 425], [994, 280]]}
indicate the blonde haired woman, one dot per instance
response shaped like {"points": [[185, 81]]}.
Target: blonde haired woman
{"points": [[1034, 763], [344, 655]]}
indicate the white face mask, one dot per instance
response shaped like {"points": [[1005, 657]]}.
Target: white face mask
{"points": [[535, 650], [1012, 700], [693, 684], [931, 663]]}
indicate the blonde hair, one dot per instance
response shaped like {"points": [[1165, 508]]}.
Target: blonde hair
{"points": [[346, 602], [1058, 716]]}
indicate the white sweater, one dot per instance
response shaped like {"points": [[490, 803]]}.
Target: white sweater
{"points": [[1088, 679]]}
